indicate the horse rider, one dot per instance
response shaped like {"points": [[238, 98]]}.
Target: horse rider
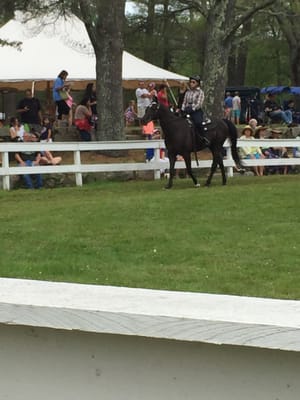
{"points": [[192, 106]]}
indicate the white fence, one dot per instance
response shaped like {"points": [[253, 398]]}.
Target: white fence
{"points": [[68, 341], [78, 168]]}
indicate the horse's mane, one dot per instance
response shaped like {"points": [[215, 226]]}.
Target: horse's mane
{"points": [[168, 113]]}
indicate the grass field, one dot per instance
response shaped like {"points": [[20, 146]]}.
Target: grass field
{"points": [[241, 239]]}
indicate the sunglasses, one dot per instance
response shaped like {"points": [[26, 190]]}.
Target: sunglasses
{"points": [[193, 82]]}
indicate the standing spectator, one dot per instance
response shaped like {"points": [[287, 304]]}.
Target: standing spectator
{"points": [[181, 93], [30, 112], [60, 95], [70, 103], [130, 114], [162, 95], [143, 97], [152, 91], [228, 106], [90, 93], [236, 108], [29, 159], [82, 118]]}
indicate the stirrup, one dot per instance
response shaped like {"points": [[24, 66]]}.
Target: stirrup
{"points": [[204, 140]]}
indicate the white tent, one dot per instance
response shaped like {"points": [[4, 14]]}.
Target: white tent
{"points": [[63, 45]]}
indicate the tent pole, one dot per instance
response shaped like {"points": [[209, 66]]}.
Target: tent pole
{"points": [[172, 94]]}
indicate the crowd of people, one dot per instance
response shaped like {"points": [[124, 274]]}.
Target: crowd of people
{"points": [[30, 125]]}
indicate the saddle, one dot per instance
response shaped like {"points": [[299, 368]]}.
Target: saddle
{"points": [[199, 138]]}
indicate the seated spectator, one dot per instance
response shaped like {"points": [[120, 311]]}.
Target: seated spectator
{"points": [[278, 152], [251, 152], [30, 158], [273, 110], [16, 130], [46, 132], [130, 114], [83, 114], [296, 150], [290, 105], [253, 123], [46, 156]]}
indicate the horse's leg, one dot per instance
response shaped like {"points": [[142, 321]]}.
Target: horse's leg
{"points": [[172, 160], [188, 164], [222, 168], [217, 159]]}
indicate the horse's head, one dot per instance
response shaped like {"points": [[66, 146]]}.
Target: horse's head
{"points": [[151, 113]]}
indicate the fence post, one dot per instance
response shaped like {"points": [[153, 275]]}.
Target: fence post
{"points": [[77, 162], [5, 166], [156, 159], [229, 157]]}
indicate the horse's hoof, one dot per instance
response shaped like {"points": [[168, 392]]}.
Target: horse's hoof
{"points": [[207, 185], [168, 187], [197, 185]]}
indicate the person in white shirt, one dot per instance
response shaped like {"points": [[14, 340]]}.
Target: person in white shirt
{"points": [[143, 98], [236, 108]]}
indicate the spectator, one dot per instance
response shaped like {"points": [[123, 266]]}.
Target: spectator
{"points": [[152, 90], [143, 97], [70, 103], [130, 114], [273, 110], [278, 152], [30, 112], [236, 108], [29, 159], [16, 130], [181, 93], [290, 105], [82, 118], [296, 150], [60, 95], [162, 95], [46, 155], [90, 93], [253, 123], [46, 132], [228, 106], [251, 152]]}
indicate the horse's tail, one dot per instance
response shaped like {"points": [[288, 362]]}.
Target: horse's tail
{"points": [[233, 136]]}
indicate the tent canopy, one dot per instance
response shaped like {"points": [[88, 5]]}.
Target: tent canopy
{"points": [[64, 45], [295, 90]]}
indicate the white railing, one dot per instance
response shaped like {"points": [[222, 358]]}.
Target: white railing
{"points": [[78, 168]]}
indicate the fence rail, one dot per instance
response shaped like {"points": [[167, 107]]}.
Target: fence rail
{"points": [[78, 168]]}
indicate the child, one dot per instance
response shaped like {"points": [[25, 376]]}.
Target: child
{"points": [[46, 132], [130, 114], [70, 103]]}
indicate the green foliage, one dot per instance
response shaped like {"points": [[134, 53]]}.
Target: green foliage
{"points": [[241, 239]]}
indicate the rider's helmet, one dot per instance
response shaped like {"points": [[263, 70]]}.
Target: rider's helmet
{"points": [[195, 78]]}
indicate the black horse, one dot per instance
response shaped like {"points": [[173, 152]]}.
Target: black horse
{"points": [[180, 139]]}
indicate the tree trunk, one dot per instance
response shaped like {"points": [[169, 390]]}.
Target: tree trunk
{"points": [[295, 66], [104, 23], [217, 51]]}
